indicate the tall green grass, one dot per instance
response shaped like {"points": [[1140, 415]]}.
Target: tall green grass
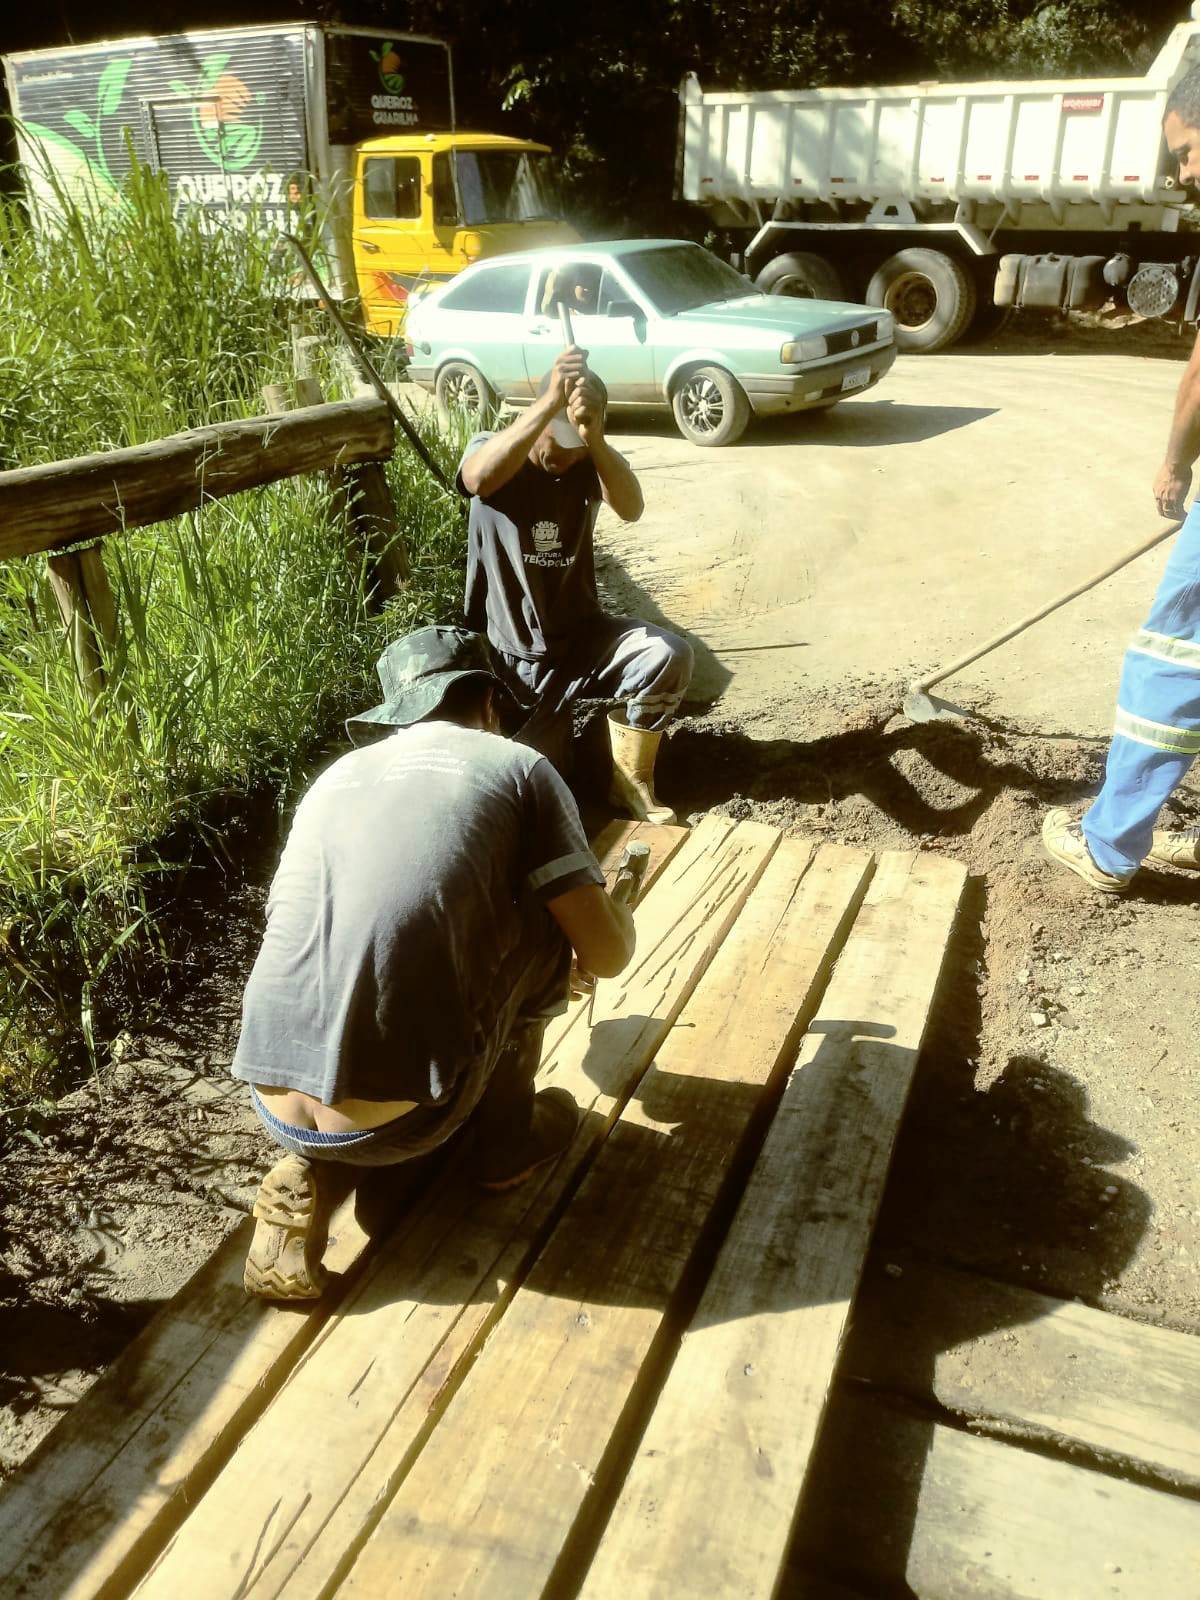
{"points": [[243, 634]]}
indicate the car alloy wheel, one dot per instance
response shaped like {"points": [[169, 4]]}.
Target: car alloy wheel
{"points": [[710, 407], [463, 387]]}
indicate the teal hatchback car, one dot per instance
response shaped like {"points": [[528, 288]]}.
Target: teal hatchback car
{"points": [[664, 322]]}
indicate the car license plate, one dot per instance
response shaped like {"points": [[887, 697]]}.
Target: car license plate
{"points": [[858, 379]]}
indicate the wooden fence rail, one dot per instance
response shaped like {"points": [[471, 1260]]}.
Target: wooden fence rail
{"points": [[45, 509], [65, 502]]}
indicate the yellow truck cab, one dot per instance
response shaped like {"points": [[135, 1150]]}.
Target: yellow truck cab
{"points": [[427, 205]]}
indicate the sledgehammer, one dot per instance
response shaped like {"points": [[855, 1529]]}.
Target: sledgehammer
{"points": [[921, 706]]}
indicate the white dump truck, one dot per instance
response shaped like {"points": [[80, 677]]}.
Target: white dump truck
{"points": [[948, 203]]}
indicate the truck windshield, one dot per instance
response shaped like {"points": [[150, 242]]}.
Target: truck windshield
{"points": [[506, 186], [683, 277]]}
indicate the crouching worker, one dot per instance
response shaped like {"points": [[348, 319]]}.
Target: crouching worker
{"points": [[420, 930], [536, 491]]}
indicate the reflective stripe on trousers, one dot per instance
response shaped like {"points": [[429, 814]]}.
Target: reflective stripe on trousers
{"points": [[1156, 732]]}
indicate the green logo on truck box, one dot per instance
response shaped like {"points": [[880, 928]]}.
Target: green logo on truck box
{"points": [[110, 91], [225, 118], [390, 75]]}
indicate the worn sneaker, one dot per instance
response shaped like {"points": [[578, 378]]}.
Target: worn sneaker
{"points": [[284, 1261], [503, 1164], [1178, 849], [1063, 841]]}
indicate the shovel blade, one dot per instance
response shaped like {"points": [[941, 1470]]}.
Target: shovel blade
{"points": [[921, 706]]}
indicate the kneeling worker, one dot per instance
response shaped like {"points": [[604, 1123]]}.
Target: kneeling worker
{"points": [[536, 490], [419, 933]]}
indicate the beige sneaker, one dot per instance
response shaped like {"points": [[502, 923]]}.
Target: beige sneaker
{"points": [[1063, 840], [284, 1260], [1178, 849]]}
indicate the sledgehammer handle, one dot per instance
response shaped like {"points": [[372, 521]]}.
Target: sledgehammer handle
{"points": [[1036, 616]]}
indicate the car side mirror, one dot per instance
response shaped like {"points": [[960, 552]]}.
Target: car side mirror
{"points": [[624, 308]]}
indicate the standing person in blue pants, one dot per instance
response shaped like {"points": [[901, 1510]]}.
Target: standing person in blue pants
{"points": [[1156, 736]]}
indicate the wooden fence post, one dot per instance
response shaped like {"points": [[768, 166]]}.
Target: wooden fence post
{"points": [[362, 491], [276, 398], [85, 601], [373, 514]]}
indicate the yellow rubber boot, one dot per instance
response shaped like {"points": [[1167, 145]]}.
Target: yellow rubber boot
{"points": [[633, 753]]}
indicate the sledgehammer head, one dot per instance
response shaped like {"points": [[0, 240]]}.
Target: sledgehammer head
{"points": [[631, 869]]}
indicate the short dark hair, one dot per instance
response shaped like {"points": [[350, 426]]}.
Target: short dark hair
{"points": [[1184, 99]]}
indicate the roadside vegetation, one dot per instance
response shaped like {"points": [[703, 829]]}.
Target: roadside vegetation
{"points": [[243, 634]]}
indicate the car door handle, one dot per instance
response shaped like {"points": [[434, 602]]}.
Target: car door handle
{"points": [[373, 249], [541, 327]]}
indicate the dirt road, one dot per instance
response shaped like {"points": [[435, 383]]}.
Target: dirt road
{"points": [[888, 535]]}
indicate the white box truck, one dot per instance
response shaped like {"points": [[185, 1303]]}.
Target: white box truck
{"points": [[247, 121], [950, 202]]}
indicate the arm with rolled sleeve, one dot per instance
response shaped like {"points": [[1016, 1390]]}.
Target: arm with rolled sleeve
{"points": [[567, 878]]}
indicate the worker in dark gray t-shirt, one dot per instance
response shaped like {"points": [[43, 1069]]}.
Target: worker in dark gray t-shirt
{"points": [[420, 929], [536, 489]]}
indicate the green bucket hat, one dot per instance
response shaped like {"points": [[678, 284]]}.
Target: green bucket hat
{"points": [[416, 673]]}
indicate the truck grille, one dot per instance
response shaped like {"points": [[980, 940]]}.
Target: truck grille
{"points": [[848, 340]]}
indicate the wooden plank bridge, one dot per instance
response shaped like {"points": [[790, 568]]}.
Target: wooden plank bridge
{"points": [[631, 1378]]}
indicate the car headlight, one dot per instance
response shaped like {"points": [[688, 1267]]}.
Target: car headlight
{"points": [[804, 349], [885, 325]]}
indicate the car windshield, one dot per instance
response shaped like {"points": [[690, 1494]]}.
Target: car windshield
{"points": [[506, 186], [683, 277]]}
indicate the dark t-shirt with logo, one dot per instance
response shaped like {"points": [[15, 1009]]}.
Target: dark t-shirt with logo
{"points": [[531, 579]]}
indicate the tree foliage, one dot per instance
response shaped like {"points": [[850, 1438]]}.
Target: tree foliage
{"points": [[600, 83]]}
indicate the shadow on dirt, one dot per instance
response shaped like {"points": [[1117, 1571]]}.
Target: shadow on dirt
{"points": [[857, 422], [923, 778], [863, 423], [898, 783]]}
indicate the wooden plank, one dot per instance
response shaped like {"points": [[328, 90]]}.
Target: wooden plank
{"points": [[748, 1388], [544, 1398], [94, 1505], [918, 1508], [283, 1517], [88, 1511], [1023, 1364], [47, 507]]}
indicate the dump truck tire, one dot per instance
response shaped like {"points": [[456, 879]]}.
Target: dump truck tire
{"points": [[931, 295], [803, 275]]}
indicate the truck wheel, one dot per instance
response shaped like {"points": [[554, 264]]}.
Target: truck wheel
{"points": [[803, 275], [930, 294], [463, 387], [710, 407]]}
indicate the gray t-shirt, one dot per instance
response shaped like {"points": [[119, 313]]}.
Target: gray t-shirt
{"points": [[407, 904], [531, 576]]}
